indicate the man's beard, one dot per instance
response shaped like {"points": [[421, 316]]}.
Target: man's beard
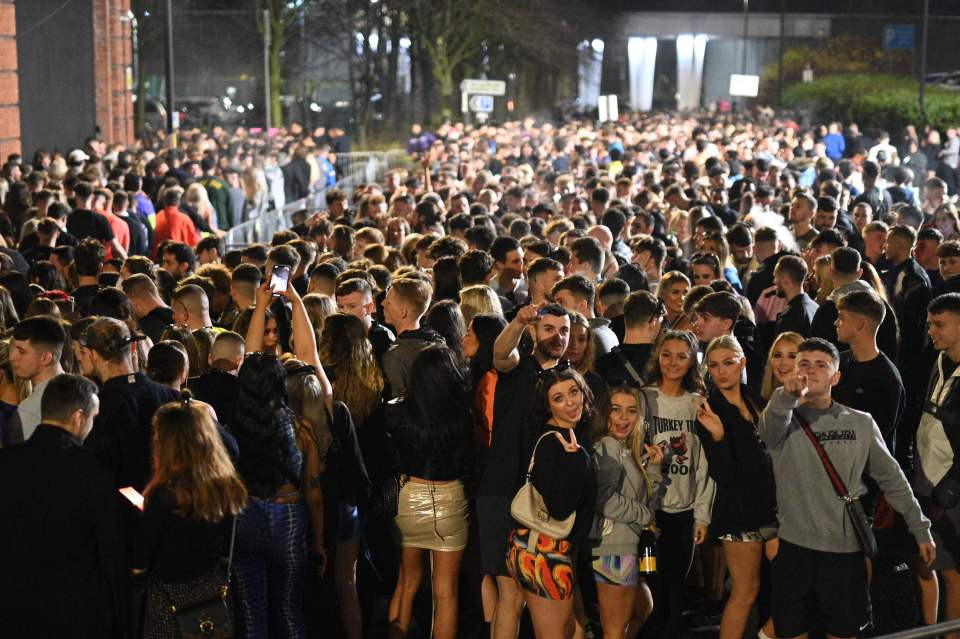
{"points": [[551, 348]]}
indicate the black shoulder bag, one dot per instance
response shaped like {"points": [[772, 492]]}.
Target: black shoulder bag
{"points": [[211, 618], [631, 370], [861, 525]]}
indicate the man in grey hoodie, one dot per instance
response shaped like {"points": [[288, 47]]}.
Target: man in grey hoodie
{"points": [[819, 556]]}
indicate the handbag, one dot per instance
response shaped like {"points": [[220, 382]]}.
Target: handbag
{"points": [[529, 509], [211, 618], [862, 527]]}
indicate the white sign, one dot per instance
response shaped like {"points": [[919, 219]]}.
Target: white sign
{"points": [[485, 87], [481, 103], [607, 108], [744, 85]]}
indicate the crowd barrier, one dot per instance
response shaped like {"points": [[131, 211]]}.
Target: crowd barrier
{"points": [[358, 168]]}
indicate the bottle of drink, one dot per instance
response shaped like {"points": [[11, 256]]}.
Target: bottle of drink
{"points": [[647, 553]]}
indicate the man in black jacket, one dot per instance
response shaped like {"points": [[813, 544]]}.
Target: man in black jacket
{"points": [[798, 314], [405, 304], [61, 547], [767, 250]]}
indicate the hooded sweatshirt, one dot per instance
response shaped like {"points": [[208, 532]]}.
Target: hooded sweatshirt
{"points": [[626, 499], [810, 513], [398, 360], [672, 427]]}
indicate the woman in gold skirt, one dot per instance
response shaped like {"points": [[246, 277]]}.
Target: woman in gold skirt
{"points": [[432, 426]]}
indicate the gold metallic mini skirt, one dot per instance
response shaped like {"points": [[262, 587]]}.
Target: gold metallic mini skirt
{"points": [[432, 516]]}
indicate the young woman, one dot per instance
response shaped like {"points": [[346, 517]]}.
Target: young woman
{"points": [[715, 243], [343, 478], [673, 397], [445, 318], [564, 476], [269, 339], [281, 469], [14, 390], [781, 361], [189, 509], [672, 289], [744, 516], [433, 428], [581, 351], [628, 494], [319, 308], [351, 366], [704, 268], [479, 298]]}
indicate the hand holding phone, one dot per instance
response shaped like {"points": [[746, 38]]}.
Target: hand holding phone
{"points": [[279, 278], [133, 496]]}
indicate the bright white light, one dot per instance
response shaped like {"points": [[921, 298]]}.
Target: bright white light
{"points": [[405, 42], [597, 45], [250, 106], [315, 107], [240, 108], [374, 40]]}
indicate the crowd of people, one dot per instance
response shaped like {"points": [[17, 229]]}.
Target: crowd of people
{"points": [[672, 374]]}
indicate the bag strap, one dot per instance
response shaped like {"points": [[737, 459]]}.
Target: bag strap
{"points": [[838, 484], [233, 539], [631, 371], [533, 455]]}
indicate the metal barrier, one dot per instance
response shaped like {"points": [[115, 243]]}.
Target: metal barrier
{"points": [[925, 632], [358, 168]]}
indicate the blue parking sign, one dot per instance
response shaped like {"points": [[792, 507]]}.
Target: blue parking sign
{"points": [[898, 36]]}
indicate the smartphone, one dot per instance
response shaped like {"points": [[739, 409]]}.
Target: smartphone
{"points": [[279, 278], [133, 496]]}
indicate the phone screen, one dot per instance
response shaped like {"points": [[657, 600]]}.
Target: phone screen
{"points": [[279, 278], [133, 496]]}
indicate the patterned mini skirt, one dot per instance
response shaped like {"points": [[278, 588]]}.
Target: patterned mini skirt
{"points": [[545, 570]]}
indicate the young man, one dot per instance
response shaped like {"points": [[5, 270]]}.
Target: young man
{"points": [[948, 258], [508, 262], [172, 224], [218, 386], [925, 252], [89, 257], [179, 260], [798, 314], [405, 304], [820, 560], [649, 253], [869, 380], [767, 250], [875, 243], [909, 292], [586, 258], [845, 271], [643, 317], [549, 326], [355, 297], [35, 355], [803, 207], [191, 308], [210, 250], [577, 294], [152, 313], [938, 447], [84, 223], [67, 524]]}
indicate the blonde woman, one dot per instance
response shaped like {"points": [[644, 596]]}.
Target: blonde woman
{"points": [[672, 289], [197, 197], [479, 298], [13, 390], [255, 194], [189, 509], [628, 495], [319, 308], [781, 361], [821, 274]]}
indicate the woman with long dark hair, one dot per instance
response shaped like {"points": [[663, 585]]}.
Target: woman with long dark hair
{"points": [[445, 318], [673, 397], [446, 279], [281, 468], [563, 474], [189, 509], [351, 366], [433, 428]]}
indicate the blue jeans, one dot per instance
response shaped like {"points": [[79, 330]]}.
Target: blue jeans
{"points": [[269, 573]]}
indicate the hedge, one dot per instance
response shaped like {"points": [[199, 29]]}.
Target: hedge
{"points": [[874, 100]]}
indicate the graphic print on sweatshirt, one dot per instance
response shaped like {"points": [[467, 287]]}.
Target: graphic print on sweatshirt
{"points": [[675, 437]]}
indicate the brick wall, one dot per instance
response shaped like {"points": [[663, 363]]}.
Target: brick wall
{"points": [[9, 89], [113, 55]]}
